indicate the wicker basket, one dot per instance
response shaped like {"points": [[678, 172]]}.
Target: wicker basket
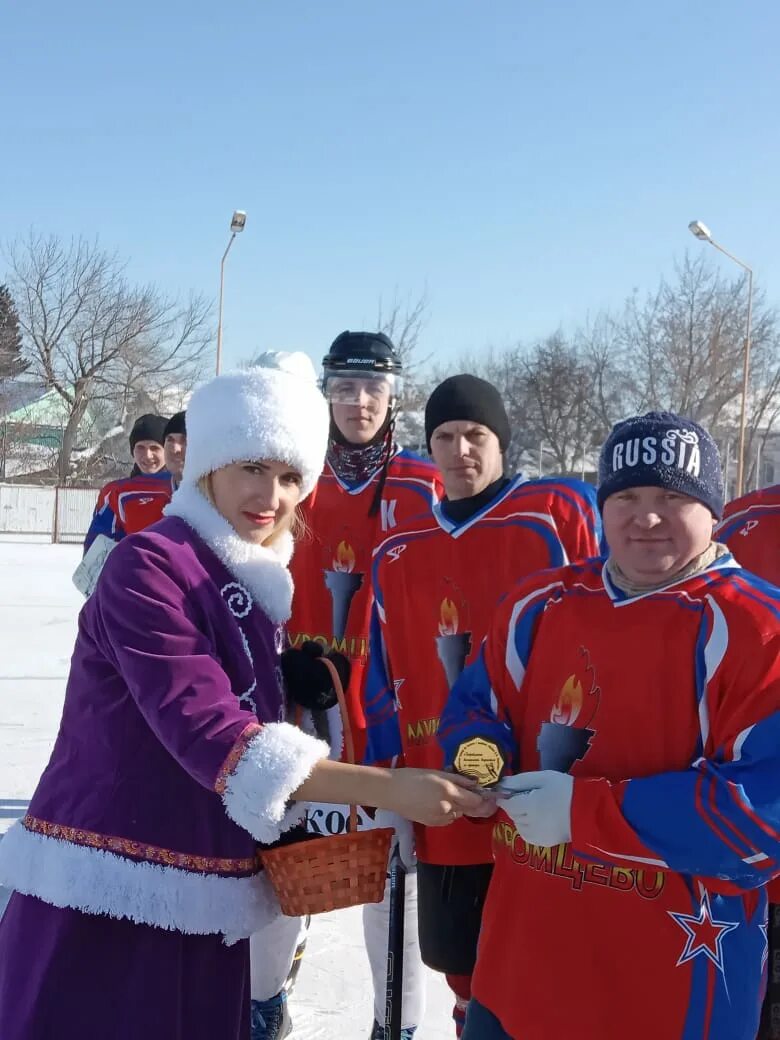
{"points": [[320, 874]]}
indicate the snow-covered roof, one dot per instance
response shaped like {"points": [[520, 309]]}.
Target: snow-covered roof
{"points": [[16, 394]]}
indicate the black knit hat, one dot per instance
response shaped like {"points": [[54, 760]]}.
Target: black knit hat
{"points": [[148, 427], [176, 424], [468, 398], [661, 449]]}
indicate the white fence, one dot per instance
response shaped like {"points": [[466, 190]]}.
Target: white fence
{"points": [[63, 514]]}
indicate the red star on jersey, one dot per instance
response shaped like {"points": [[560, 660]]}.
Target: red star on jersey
{"points": [[704, 935]]}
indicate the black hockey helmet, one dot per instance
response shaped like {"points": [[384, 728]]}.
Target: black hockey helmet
{"points": [[362, 352]]}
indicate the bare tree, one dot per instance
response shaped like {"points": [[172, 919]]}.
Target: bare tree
{"points": [[599, 344], [94, 338], [558, 396], [683, 346], [763, 411], [403, 320], [682, 349]]}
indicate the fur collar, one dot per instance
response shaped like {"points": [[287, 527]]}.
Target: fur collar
{"points": [[263, 571]]}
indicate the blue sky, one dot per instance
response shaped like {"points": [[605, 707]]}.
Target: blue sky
{"points": [[528, 163]]}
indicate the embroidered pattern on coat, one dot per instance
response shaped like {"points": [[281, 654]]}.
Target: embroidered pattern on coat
{"points": [[237, 598], [239, 603], [139, 849], [234, 755]]}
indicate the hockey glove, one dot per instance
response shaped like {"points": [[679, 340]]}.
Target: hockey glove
{"points": [[307, 680], [540, 808]]}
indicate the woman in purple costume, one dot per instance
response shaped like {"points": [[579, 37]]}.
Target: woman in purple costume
{"points": [[135, 870]]}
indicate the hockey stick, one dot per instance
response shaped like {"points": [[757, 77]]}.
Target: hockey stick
{"points": [[395, 947]]}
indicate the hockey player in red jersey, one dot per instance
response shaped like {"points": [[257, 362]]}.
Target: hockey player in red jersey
{"points": [[437, 579], [147, 440], [636, 703], [368, 486], [135, 502], [751, 529]]}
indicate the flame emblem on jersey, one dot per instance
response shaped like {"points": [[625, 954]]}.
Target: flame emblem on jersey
{"points": [[566, 738], [569, 703], [344, 559], [574, 707], [452, 646], [342, 581], [448, 626]]}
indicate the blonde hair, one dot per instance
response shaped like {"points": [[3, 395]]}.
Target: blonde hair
{"points": [[295, 523]]}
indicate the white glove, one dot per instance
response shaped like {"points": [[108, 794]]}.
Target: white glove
{"points": [[540, 808], [404, 834]]}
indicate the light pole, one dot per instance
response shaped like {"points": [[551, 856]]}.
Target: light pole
{"points": [[237, 224], [702, 232], [542, 449]]}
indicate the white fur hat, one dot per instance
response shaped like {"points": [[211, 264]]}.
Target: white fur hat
{"points": [[273, 410]]}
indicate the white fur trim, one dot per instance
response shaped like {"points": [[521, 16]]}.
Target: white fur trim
{"points": [[275, 763], [336, 731], [97, 882], [274, 410], [262, 570], [332, 731]]}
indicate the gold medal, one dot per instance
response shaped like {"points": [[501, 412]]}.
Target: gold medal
{"points": [[481, 759]]}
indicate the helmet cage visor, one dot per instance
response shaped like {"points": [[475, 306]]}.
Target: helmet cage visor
{"points": [[349, 386]]}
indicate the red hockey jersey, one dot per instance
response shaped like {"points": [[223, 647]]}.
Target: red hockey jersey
{"points": [[437, 584], [751, 529], [130, 505], [665, 708], [331, 562]]}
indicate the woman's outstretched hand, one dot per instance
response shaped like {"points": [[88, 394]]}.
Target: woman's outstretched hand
{"points": [[437, 799], [423, 795]]}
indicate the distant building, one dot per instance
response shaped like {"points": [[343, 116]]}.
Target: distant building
{"points": [[34, 414], [32, 419]]}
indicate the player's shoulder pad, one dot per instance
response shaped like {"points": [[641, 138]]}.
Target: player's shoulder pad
{"points": [[767, 496], [111, 486], [563, 489], [141, 483], [555, 578], [410, 464], [736, 589], [756, 505]]}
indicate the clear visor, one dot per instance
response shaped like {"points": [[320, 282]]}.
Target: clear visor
{"points": [[351, 387]]}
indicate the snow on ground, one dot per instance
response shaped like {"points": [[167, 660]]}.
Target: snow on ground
{"points": [[38, 615]]}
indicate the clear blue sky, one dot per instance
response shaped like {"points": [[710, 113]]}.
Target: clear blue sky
{"points": [[528, 162]]}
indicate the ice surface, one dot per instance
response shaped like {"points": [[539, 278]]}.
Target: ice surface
{"points": [[38, 616]]}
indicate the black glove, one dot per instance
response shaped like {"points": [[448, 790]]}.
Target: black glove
{"points": [[308, 681]]}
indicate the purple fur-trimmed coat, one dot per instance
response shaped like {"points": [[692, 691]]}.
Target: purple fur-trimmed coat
{"points": [[172, 761]]}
